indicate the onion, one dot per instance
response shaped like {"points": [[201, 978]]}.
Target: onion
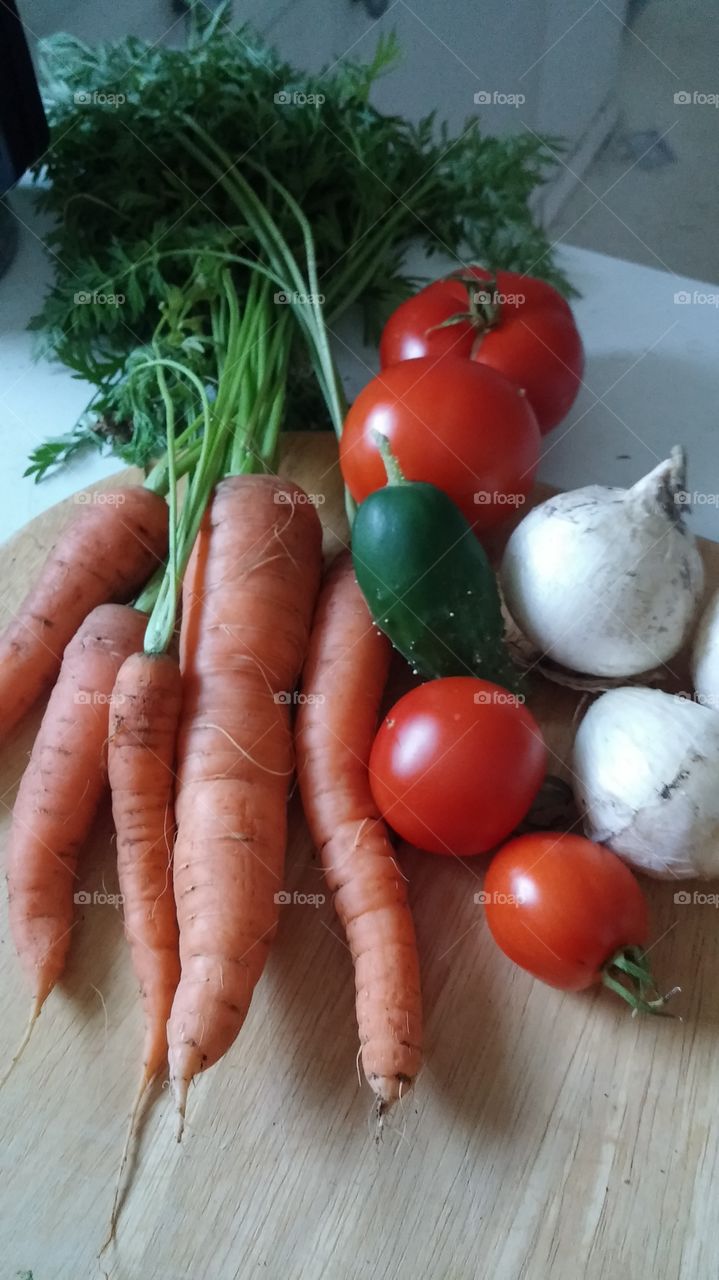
{"points": [[646, 780], [705, 656], [607, 581]]}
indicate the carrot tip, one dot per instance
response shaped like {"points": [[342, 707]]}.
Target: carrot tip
{"points": [[381, 1109], [179, 1089]]}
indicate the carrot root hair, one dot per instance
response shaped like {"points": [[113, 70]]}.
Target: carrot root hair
{"points": [[25, 1040], [135, 1112]]}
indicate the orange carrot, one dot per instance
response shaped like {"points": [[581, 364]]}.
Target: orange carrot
{"points": [[141, 754], [342, 685], [105, 554], [60, 792], [247, 604], [144, 715]]}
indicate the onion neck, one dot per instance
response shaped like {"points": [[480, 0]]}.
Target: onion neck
{"points": [[664, 488]]}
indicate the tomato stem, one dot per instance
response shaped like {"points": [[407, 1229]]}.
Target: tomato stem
{"points": [[483, 309], [637, 987]]}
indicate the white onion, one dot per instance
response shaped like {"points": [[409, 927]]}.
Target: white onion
{"points": [[607, 581], [646, 779], [705, 656]]}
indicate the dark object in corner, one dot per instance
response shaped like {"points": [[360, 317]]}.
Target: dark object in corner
{"points": [[8, 236], [23, 127]]}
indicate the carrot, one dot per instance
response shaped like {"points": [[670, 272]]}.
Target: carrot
{"points": [[141, 753], [342, 685], [248, 596], [107, 552], [144, 715], [60, 792]]}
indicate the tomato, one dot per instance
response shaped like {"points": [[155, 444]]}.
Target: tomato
{"points": [[456, 765], [531, 336], [459, 425], [562, 907]]}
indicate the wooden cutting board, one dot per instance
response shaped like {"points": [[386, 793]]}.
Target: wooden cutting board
{"points": [[549, 1135]]}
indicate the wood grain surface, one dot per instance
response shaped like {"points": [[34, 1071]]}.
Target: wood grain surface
{"points": [[549, 1136]]}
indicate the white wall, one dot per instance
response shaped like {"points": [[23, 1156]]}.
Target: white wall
{"points": [[578, 71], [561, 55], [451, 51]]}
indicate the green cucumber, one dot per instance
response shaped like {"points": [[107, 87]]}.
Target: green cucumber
{"points": [[428, 582]]}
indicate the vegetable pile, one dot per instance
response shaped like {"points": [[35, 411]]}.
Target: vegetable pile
{"points": [[224, 341]]}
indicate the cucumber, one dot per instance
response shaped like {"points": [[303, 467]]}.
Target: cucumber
{"points": [[428, 583]]}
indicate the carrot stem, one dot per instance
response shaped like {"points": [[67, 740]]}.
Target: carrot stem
{"points": [[253, 358]]}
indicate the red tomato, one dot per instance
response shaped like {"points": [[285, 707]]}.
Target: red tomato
{"points": [[532, 337], [456, 424], [456, 765], [561, 907]]}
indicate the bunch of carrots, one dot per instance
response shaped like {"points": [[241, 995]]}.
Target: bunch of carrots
{"points": [[195, 739]]}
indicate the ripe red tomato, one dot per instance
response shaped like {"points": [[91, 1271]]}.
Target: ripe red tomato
{"points": [[562, 907], [532, 337], [456, 765], [456, 424]]}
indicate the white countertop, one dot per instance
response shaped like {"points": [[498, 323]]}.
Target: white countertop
{"points": [[651, 381]]}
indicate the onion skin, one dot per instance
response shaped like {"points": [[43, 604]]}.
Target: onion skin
{"points": [[606, 581], [705, 656], [646, 780]]}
